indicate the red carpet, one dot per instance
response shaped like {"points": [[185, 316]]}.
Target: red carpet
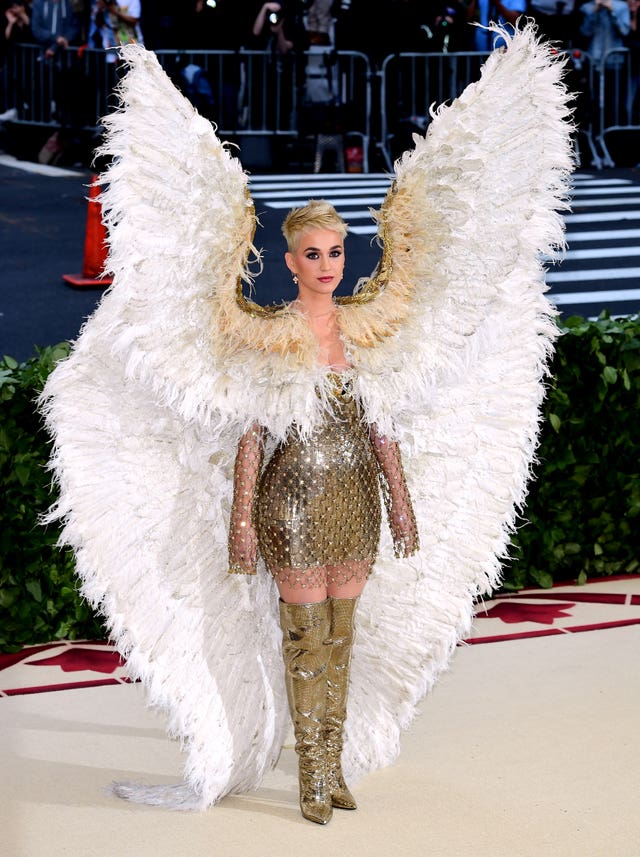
{"points": [[598, 605]]}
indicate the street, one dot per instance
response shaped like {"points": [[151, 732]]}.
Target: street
{"points": [[43, 213]]}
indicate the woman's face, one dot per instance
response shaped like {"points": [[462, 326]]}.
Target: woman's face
{"points": [[318, 262]]}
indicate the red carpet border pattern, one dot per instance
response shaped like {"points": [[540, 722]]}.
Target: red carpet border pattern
{"points": [[598, 605]]}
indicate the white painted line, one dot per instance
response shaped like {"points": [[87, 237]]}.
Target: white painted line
{"points": [[304, 193], [337, 201], [589, 182], [603, 216], [262, 190], [633, 200], [594, 191], [41, 169], [594, 297], [363, 230], [603, 253], [311, 178], [603, 235], [593, 274]]}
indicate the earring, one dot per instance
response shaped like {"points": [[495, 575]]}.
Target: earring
{"points": [[295, 279]]}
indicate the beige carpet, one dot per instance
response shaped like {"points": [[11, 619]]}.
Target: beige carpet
{"points": [[528, 747]]}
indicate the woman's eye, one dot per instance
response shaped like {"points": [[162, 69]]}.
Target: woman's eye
{"points": [[312, 255], [335, 254]]}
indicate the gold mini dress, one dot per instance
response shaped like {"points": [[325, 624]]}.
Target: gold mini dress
{"points": [[318, 508]]}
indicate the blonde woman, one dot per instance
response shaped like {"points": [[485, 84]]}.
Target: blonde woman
{"points": [[314, 515]]}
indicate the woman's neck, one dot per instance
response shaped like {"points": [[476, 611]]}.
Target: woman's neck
{"points": [[323, 308]]}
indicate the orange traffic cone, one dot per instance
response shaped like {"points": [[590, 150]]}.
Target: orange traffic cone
{"points": [[95, 245]]}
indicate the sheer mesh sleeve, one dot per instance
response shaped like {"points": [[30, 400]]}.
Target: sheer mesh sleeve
{"points": [[400, 514], [243, 539]]}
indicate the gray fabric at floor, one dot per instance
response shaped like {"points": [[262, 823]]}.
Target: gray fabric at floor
{"points": [[525, 748]]}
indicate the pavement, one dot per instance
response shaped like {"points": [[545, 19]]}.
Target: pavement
{"points": [[527, 747]]}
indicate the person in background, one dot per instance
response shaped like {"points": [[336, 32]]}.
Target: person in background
{"points": [[17, 23], [279, 27], [56, 27], [114, 24], [633, 43], [558, 20], [279, 31], [605, 24], [319, 22], [16, 29], [499, 11]]}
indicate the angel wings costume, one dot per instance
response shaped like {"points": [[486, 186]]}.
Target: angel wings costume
{"points": [[451, 337]]}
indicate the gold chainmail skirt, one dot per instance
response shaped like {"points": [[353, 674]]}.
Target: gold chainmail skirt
{"points": [[318, 506]]}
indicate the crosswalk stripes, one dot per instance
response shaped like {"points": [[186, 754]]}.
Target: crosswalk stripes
{"points": [[598, 270]]}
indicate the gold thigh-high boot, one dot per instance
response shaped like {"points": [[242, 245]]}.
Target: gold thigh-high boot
{"points": [[341, 636], [306, 650]]}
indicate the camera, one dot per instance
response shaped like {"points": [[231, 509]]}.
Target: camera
{"points": [[274, 18]]}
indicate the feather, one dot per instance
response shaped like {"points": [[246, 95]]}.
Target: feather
{"points": [[451, 337]]}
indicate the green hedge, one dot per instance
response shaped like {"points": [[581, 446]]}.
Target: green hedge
{"points": [[581, 520], [38, 586], [583, 509]]}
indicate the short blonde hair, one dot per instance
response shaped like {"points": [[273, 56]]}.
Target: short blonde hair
{"points": [[316, 214]]}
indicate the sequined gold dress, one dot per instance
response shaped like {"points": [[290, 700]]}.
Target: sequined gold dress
{"points": [[316, 506], [318, 500]]}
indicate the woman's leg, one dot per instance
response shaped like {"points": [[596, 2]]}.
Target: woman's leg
{"points": [[344, 592], [305, 623]]}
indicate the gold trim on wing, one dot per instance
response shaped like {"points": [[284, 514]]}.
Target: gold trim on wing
{"points": [[363, 321]]}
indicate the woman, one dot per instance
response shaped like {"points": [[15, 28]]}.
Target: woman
{"points": [[314, 513]]}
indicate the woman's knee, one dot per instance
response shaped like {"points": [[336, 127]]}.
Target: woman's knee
{"points": [[298, 595]]}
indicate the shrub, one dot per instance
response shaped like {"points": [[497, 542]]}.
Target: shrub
{"points": [[582, 517], [39, 598]]}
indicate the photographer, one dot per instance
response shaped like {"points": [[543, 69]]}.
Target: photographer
{"points": [[447, 29], [280, 26]]}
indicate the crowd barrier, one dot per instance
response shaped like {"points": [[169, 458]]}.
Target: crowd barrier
{"points": [[319, 95], [615, 87], [410, 84]]}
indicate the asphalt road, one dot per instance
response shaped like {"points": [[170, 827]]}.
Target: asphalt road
{"points": [[42, 232], [43, 224]]}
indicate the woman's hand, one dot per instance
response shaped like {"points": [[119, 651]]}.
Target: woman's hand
{"points": [[403, 530], [243, 546]]}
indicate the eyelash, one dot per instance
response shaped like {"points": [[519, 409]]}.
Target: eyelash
{"points": [[335, 254]]}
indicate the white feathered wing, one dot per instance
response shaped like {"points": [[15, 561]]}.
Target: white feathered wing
{"points": [[474, 213], [146, 411], [145, 427]]}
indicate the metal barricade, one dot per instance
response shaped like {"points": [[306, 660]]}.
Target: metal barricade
{"points": [[579, 79], [73, 88], [616, 87], [411, 83], [263, 94], [244, 93]]}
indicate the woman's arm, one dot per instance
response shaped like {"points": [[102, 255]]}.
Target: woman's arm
{"points": [[243, 539], [402, 520]]}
